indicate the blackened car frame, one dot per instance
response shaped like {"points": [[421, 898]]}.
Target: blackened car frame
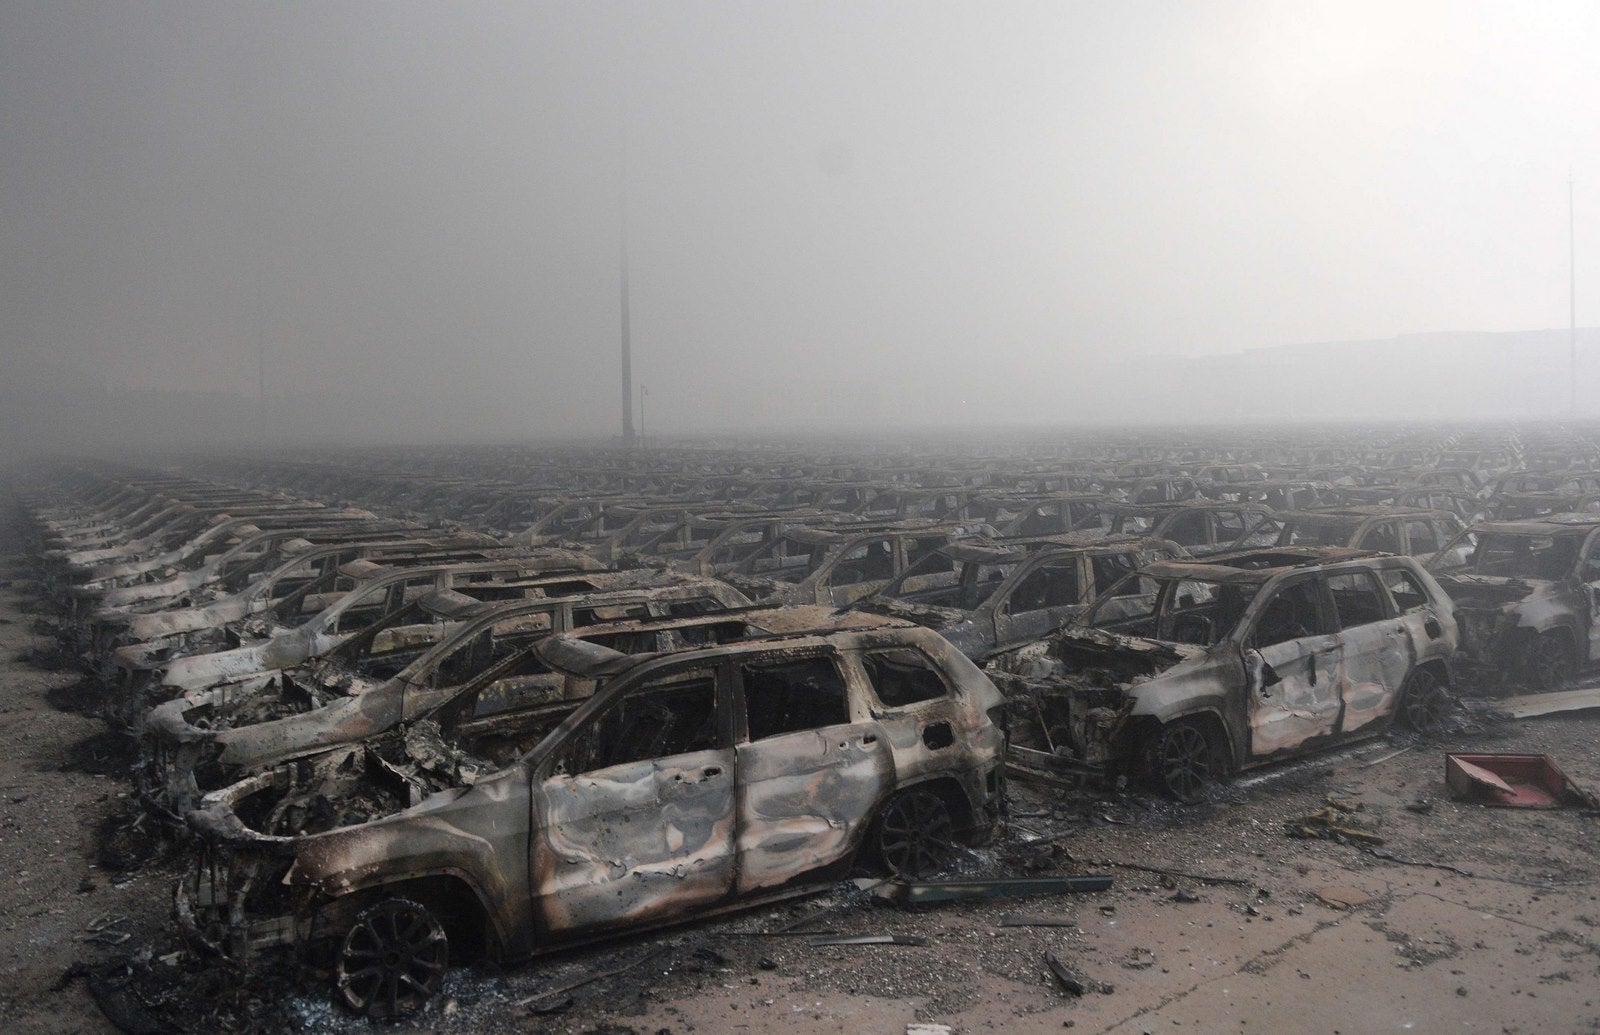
{"points": [[1190, 670], [692, 782]]}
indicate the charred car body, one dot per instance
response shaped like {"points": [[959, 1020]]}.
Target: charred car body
{"points": [[204, 741], [1189, 670], [382, 590], [839, 565], [1385, 529], [690, 782], [986, 595], [1525, 597]]}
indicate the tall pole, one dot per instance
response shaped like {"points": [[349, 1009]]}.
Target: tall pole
{"points": [[261, 334], [1572, 303], [627, 339]]}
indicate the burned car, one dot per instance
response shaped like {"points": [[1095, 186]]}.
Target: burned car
{"points": [[382, 591], [986, 595], [1189, 670], [198, 743], [691, 782], [309, 580], [1379, 527], [1202, 527], [1524, 595], [839, 565]]}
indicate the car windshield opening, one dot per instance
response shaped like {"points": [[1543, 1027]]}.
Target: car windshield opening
{"points": [[1175, 610]]}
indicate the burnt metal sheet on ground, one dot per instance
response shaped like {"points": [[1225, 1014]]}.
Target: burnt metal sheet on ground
{"points": [[1518, 781]]}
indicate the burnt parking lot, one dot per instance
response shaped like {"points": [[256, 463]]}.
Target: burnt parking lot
{"points": [[1341, 886]]}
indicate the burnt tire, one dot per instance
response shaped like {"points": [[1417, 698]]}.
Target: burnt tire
{"points": [[392, 960], [1182, 760], [1425, 702], [915, 835], [1550, 660]]}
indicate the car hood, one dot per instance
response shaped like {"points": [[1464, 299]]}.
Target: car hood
{"points": [[1489, 591], [1095, 656]]}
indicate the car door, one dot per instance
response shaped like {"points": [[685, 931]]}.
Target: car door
{"points": [[1189, 528], [856, 572], [1256, 529], [1447, 527], [811, 765], [1377, 652], [1292, 667], [1039, 601], [1382, 534], [634, 814], [1418, 615], [1422, 538]]}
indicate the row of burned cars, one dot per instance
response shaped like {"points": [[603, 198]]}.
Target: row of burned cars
{"points": [[393, 742]]}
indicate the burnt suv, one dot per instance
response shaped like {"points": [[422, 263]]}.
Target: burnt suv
{"points": [[690, 782], [1524, 594], [985, 595], [1190, 669]]}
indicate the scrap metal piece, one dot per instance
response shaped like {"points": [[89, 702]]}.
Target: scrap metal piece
{"points": [[1337, 818], [913, 892], [1518, 781], [1075, 981], [1343, 897], [869, 939], [1038, 921], [1530, 705]]}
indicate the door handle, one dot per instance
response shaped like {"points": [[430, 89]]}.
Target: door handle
{"points": [[710, 771], [870, 738]]}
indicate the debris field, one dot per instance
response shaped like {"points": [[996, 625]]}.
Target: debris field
{"points": [[1194, 729]]}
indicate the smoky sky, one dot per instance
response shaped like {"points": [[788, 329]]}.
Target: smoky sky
{"points": [[853, 210]]}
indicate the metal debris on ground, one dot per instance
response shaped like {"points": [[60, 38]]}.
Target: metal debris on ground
{"points": [[1038, 921], [1515, 781], [106, 930], [1560, 702], [1073, 980], [1334, 820], [1199, 878], [1384, 758], [868, 939], [914, 892], [1340, 897], [570, 986]]}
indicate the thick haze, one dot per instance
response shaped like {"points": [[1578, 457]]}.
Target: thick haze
{"points": [[837, 213]]}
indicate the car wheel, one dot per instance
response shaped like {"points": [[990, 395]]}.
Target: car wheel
{"points": [[1182, 760], [1550, 661], [915, 834], [1424, 701], [392, 960]]}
